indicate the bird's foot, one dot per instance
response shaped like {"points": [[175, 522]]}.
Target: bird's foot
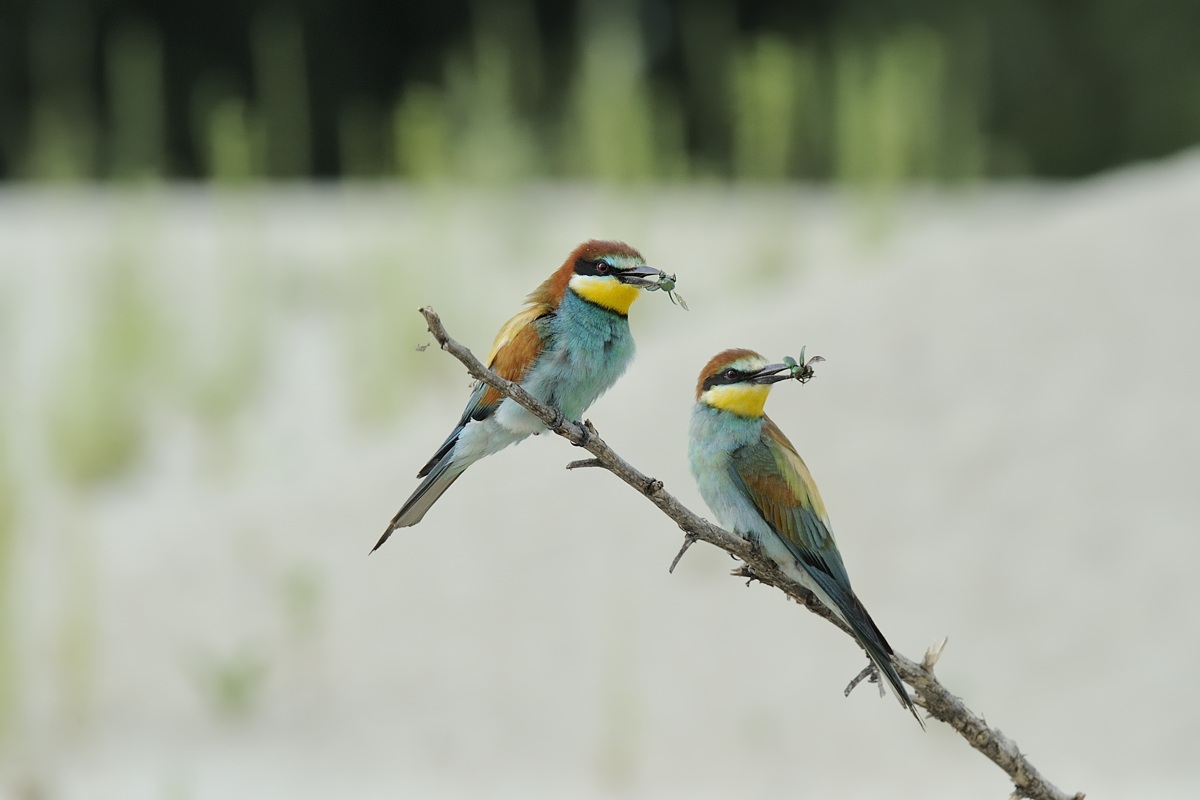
{"points": [[870, 673], [559, 425], [585, 434], [744, 572]]}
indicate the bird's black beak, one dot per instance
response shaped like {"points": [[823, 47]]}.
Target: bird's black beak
{"points": [[772, 373], [642, 276]]}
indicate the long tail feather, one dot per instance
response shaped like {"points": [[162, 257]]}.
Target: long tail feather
{"points": [[880, 652], [438, 478], [855, 615], [442, 452]]}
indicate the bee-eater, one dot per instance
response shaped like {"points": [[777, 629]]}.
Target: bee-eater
{"points": [[759, 488], [566, 348]]}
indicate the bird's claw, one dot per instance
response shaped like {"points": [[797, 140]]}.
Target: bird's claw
{"points": [[585, 435], [744, 572], [871, 674]]}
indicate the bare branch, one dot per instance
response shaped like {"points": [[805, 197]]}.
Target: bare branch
{"points": [[939, 702]]}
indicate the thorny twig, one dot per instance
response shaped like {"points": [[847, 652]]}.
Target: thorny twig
{"points": [[930, 694]]}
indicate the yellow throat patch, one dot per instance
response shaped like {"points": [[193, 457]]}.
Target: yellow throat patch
{"points": [[606, 292], [745, 401]]}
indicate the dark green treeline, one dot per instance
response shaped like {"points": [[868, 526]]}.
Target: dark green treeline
{"points": [[622, 90]]}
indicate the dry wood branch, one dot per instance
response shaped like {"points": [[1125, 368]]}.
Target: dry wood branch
{"points": [[930, 694]]}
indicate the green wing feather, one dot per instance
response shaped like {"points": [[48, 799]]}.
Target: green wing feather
{"points": [[782, 489], [779, 484]]}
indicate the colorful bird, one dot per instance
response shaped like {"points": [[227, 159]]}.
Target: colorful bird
{"points": [[566, 348], [758, 487]]}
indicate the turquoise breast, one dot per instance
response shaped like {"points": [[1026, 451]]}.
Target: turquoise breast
{"points": [[588, 349]]}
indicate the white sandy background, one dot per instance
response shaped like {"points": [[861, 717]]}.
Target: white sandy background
{"points": [[1005, 433]]}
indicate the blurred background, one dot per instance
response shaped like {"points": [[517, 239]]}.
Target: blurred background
{"points": [[632, 90], [217, 221]]}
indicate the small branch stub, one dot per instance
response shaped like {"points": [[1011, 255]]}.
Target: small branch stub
{"points": [[689, 539], [933, 654]]}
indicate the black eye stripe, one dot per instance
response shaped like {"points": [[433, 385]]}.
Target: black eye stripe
{"points": [[585, 267], [721, 379]]}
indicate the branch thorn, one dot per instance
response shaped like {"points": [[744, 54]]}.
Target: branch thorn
{"points": [[689, 539], [933, 654]]}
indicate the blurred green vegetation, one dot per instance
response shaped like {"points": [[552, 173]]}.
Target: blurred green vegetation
{"points": [[302, 597], [95, 426], [217, 371], [78, 629], [134, 73], [378, 337], [9, 677], [867, 91], [233, 684], [95, 432]]}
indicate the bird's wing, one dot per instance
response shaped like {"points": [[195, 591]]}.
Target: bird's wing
{"points": [[513, 328], [779, 484], [517, 346]]}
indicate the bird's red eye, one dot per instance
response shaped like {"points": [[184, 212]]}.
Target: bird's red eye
{"points": [[602, 267], [730, 374]]}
